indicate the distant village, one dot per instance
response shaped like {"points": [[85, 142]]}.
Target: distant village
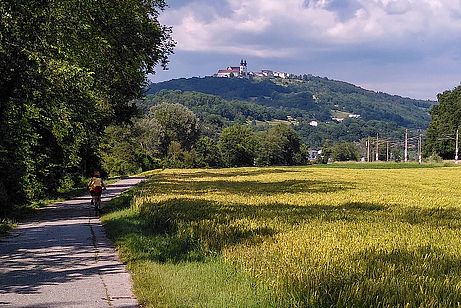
{"points": [[242, 72]]}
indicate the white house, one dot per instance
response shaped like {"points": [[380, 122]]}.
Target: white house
{"points": [[281, 75], [314, 153], [267, 73]]}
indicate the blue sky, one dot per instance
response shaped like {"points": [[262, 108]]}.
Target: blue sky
{"points": [[405, 47]]}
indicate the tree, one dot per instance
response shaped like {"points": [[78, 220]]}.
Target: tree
{"points": [[150, 135], [208, 154], [238, 146], [121, 151], [69, 68], [446, 119], [346, 151], [279, 146], [177, 123]]}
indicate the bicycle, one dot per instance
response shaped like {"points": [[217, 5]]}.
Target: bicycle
{"points": [[96, 186], [97, 204], [96, 199]]}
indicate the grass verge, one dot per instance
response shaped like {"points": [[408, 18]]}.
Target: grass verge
{"points": [[172, 271]]}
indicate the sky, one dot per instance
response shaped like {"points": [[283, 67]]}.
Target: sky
{"points": [[410, 48]]}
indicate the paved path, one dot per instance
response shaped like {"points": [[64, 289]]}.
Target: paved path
{"points": [[64, 259]]}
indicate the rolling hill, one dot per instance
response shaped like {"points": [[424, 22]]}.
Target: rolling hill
{"points": [[319, 98], [343, 111]]}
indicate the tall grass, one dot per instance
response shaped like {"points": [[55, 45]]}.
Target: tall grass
{"points": [[294, 237]]}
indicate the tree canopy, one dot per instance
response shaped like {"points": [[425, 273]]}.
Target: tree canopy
{"points": [[69, 68], [446, 119]]}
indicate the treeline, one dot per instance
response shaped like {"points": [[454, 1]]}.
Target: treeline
{"points": [[68, 69], [171, 135], [215, 113]]}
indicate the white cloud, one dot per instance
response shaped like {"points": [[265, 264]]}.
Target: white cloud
{"points": [[304, 22], [355, 35]]}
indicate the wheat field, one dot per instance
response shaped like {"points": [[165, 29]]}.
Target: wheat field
{"points": [[304, 237]]}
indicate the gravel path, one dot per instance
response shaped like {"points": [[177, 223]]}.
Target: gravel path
{"points": [[64, 259]]}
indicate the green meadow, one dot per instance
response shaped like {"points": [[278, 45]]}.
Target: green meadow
{"points": [[293, 237]]}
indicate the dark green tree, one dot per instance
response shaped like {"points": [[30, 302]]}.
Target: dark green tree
{"points": [[238, 146], [446, 119], [177, 123], [280, 145], [122, 153], [345, 151], [208, 154]]}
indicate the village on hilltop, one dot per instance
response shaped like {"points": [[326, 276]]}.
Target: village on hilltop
{"points": [[242, 72]]}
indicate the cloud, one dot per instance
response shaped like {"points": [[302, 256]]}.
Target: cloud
{"points": [[198, 26], [366, 35]]}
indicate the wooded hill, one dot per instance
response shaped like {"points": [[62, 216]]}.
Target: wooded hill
{"points": [[318, 98], [220, 101]]}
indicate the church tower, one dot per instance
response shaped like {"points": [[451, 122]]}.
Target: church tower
{"points": [[243, 68]]}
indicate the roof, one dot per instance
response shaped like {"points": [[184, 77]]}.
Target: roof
{"points": [[233, 70]]}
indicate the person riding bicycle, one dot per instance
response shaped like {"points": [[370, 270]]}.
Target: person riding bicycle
{"points": [[96, 185]]}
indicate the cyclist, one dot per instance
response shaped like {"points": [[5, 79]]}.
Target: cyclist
{"points": [[96, 185]]}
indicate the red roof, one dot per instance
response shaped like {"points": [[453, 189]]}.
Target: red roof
{"points": [[229, 71]]}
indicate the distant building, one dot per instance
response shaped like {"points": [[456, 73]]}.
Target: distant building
{"points": [[314, 123], [242, 72], [281, 75], [314, 153], [234, 71], [267, 73]]}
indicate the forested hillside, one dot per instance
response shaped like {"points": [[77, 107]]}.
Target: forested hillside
{"points": [[315, 97], [340, 111]]}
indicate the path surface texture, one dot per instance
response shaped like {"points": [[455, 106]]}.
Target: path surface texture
{"points": [[64, 259]]}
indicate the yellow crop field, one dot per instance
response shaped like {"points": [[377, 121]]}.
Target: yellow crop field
{"points": [[320, 237]]}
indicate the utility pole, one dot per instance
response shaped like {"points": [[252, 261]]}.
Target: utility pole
{"points": [[377, 147], [368, 149], [420, 149], [387, 151], [457, 146], [406, 146]]}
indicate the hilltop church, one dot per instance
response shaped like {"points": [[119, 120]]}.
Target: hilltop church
{"points": [[234, 71]]}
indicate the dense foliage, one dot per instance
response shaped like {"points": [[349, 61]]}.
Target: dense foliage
{"points": [[69, 68], [216, 113], [446, 119], [345, 151], [170, 135], [238, 146]]}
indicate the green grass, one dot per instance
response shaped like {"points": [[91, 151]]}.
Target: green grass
{"points": [[338, 236], [5, 226], [171, 271]]}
